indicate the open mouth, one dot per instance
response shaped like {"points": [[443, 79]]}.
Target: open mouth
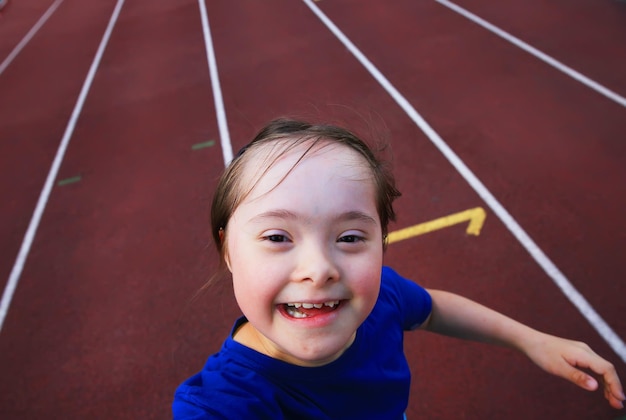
{"points": [[308, 310]]}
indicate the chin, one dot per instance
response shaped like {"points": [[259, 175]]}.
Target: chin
{"points": [[319, 355]]}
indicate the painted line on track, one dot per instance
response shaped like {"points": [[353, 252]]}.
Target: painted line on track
{"points": [[537, 53], [20, 46], [68, 181], [203, 145], [575, 297], [18, 267], [476, 218], [227, 148]]}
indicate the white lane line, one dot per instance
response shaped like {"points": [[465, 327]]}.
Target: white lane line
{"points": [[537, 254], [534, 51], [227, 149], [18, 267], [19, 47]]}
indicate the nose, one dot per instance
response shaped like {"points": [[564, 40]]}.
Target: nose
{"points": [[316, 263]]}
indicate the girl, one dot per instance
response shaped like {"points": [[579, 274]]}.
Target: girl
{"points": [[300, 220]]}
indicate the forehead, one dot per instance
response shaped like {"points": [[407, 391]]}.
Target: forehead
{"points": [[280, 161]]}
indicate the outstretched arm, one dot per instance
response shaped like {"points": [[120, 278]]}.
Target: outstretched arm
{"points": [[459, 317]]}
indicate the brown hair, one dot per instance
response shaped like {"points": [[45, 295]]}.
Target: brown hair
{"points": [[233, 187]]}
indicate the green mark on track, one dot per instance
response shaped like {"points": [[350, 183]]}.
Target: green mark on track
{"points": [[198, 146], [67, 181]]}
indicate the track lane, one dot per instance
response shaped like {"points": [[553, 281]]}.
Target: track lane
{"points": [[104, 237], [513, 107], [459, 123], [91, 330], [278, 64], [17, 19], [31, 127], [582, 33]]}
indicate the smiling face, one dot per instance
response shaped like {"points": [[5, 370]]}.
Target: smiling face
{"points": [[305, 250]]}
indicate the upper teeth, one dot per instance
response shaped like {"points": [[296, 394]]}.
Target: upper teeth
{"points": [[330, 303]]}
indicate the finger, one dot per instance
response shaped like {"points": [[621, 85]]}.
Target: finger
{"points": [[612, 385], [613, 392], [579, 377], [590, 360]]}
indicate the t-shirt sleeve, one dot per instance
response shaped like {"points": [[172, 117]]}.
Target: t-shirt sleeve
{"points": [[218, 395], [190, 403], [413, 301], [186, 409]]}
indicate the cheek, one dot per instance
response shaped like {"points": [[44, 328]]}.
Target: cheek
{"points": [[244, 294], [368, 289], [255, 286], [247, 292], [367, 278]]}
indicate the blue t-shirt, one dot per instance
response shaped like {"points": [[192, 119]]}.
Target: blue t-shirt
{"points": [[370, 380]]}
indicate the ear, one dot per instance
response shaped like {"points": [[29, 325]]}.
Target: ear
{"points": [[224, 248], [227, 261]]}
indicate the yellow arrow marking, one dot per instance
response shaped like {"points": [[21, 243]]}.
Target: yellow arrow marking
{"points": [[475, 216]]}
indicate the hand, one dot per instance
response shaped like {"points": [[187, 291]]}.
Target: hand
{"points": [[565, 358]]}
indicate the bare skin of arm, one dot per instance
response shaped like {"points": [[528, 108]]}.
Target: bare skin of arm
{"points": [[456, 316]]}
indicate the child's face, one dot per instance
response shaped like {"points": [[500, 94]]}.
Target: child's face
{"points": [[313, 238]]}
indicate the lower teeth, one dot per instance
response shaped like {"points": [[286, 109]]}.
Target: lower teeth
{"points": [[295, 313]]}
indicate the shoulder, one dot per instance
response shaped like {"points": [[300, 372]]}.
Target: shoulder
{"points": [[406, 296], [215, 396], [399, 287], [227, 387]]}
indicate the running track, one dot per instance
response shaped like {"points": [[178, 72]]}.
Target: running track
{"points": [[101, 324]]}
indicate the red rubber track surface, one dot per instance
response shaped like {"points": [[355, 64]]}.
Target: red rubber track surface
{"points": [[102, 324]]}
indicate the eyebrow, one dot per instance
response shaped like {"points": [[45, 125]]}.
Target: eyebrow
{"points": [[289, 215]]}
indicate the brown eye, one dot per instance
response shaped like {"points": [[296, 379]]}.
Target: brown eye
{"points": [[351, 238], [276, 238]]}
